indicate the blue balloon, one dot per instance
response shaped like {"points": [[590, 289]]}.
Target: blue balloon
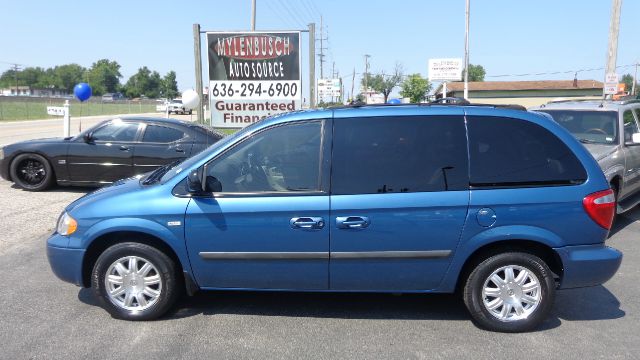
{"points": [[82, 91], [394, 101]]}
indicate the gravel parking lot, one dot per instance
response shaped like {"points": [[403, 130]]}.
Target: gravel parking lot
{"points": [[45, 318]]}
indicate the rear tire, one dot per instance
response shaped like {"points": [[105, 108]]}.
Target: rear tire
{"points": [[510, 292], [135, 281], [31, 172]]}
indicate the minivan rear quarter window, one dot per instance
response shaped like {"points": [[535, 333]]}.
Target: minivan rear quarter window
{"points": [[399, 154], [506, 152]]}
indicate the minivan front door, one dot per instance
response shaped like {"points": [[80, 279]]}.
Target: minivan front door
{"points": [[268, 226], [399, 200]]}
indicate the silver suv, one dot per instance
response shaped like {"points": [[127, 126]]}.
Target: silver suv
{"points": [[609, 130]]}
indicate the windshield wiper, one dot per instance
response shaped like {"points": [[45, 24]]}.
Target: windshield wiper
{"points": [[158, 173], [587, 141]]}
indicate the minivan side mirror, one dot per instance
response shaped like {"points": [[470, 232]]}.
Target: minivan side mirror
{"points": [[197, 183], [194, 182], [635, 138], [88, 137]]}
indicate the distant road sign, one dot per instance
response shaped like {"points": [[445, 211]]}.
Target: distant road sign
{"points": [[611, 84], [329, 87], [445, 69]]}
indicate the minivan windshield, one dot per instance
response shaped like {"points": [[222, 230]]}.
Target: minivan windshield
{"points": [[590, 127], [188, 163]]}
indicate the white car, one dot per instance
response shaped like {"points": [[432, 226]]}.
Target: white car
{"points": [[176, 106]]}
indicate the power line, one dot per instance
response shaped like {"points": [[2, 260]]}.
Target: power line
{"points": [[557, 72], [291, 13]]}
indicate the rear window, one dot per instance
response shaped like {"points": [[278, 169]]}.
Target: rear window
{"points": [[399, 154], [507, 152]]}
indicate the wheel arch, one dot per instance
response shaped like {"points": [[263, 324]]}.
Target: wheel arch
{"points": [[104, 241], [536, 248]]}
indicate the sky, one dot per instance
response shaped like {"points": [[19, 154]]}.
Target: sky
{"points": [[544, 39]]}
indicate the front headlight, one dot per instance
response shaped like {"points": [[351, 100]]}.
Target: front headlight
{"points": [[66, 225]]}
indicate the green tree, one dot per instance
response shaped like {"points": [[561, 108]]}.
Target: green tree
{"points": [[627, 79], [170, 85], [8, 78], [104, 76], [144, 82], [476, 72], [415, 87], [67, 76], [382, 83]]}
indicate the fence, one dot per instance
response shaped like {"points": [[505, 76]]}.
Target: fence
{"points": [[31, 108]]}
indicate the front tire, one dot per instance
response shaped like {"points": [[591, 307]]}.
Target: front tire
{"points": [[31, 172], [135, 281], [510, 292]]}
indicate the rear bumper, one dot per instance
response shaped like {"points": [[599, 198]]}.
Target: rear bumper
{"points": [[65, 263], [588, 265]]}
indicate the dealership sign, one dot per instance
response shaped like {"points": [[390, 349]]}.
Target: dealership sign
{"points": [[445, 69], [253, 75]]}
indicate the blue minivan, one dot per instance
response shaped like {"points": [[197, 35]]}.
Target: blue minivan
{"points": [[501, 205]]}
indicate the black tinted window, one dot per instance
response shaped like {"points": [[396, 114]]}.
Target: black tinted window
{"points": [[281, 159], [512, 152], [162, 134], [116, 130], [399, 154]]}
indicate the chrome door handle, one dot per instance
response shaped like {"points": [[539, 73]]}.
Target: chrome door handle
{"points": [[124, 148], [352, 222], [179, 149], [310, 222]]}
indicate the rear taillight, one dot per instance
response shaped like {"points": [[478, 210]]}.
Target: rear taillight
{"points": [[601, 207]]}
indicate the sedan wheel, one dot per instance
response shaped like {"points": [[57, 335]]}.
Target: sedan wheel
{"points": [[31, 172]]}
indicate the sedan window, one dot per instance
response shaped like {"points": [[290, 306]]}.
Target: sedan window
{"points": [[162, 134], [116, 131]]}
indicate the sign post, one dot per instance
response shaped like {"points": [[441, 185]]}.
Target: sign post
{"points": [[64, 112], [253, 75]]}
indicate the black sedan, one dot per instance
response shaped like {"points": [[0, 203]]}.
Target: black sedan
{"points": [[112, 150]]}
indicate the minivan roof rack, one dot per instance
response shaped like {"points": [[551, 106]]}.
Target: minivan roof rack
{"points": [[453, 101]]}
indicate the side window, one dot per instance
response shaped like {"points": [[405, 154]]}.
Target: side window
{"points": [[162, 134], [399, 154], [512, 152], [116, 131], [281, 159], [630, 125]]}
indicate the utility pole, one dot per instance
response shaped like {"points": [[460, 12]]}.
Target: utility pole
{"points": [[366, 78], [322, 49], [614, 27], [16, 68], [466, 52], [312, 65], [635, 79], [253, 15], [198, 62], [353, 82]]}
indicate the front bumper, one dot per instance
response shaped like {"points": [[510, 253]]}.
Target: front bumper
{"points": [[588, 265], [66, 263], [4, 169]]}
